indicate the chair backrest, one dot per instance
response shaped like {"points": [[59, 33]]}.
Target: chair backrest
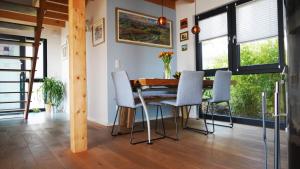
{"points": [[123, 90], [190, 88], [221, 87]]}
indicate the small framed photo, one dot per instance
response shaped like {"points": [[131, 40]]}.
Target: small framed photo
{"points": [[65, 50], [184, 36], [184, 47], [184, 23], [98, 32]]}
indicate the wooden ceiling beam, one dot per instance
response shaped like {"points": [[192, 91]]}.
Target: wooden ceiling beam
{"points": [[65, 2], [167, 3], [50, 6], [29, 18], [55, 15]]}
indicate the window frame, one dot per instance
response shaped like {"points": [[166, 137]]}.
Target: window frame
{"points": [[23, 67], [234, 49]]}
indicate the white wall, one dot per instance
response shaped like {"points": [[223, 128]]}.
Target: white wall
{"points": [[97, 75], [65, 69]]}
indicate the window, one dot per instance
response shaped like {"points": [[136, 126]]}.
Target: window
{"points": [[16, 81], [249, 41], [214, 35], [41, 72], [245, 37]]}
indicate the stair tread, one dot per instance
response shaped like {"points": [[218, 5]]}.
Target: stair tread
{"points": [[12, 42], [14, 70], [19, 101], [16, 57], [11, 110], [12, 81], [11, 92]]}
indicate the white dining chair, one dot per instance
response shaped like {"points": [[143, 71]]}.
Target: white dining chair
{"points": [[189, 94], [125, 98], [220, 94]]}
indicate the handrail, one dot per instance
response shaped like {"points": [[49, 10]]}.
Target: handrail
{"points": [[264, 112], [277, 127]]}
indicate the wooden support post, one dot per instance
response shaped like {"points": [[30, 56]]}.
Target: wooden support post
{"points": [[78, 105]]}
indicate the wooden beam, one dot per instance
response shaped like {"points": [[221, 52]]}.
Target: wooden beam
{"points": [[55, 15], [50, 6], [77, 69], [65, 2], [167, 3], [29, 18], [37, 39]]}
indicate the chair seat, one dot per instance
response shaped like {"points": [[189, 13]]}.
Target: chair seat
{"points": [[154, 103], [211, 100], [169, 102], [155, 95]]}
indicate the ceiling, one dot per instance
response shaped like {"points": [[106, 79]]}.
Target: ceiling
{"points": [[24, 12]]}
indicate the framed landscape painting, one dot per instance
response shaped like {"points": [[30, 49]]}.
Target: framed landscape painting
{"points": [[141, 29]]}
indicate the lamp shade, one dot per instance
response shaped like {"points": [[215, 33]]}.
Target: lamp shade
{"points": [[196, 29], [162, 20]]}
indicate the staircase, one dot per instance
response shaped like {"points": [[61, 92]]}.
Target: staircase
{"points": [[13, 97], [18, 101]]}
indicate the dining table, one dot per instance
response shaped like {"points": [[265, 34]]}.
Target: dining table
{"points": [[154, 84]]}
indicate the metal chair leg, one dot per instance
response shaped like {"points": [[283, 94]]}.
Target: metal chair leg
{"points": [[205, 123], [230, 118], [230, 114], [176, 124], [143, 118], [156, 118], [212, 117], [132, 131], [113, 128], [162, 121], [195, 129]]}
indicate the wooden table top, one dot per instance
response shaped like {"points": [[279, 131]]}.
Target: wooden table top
{"points": [[164, 82]]}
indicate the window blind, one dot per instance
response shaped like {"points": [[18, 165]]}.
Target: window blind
{"points": [[213, 27], [256, 20]]}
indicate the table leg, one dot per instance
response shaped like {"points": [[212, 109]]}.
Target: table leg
{"points": [[146, 113]]}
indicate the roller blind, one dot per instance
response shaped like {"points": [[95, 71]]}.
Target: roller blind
{"points": [[213, 27], [256, 20]]}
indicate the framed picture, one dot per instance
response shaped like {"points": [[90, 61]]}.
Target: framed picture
{"points": [[65, 50], [184, 36], [142, 29], [98, 32], [183, 23], [184, 47]]}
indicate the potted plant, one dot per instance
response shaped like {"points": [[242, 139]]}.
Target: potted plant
{"points": [[53, 93]]}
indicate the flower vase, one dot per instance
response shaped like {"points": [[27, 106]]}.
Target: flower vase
{"points": [[167, 70]]}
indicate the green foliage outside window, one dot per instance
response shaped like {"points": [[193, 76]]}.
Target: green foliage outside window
{"points": [[246, 93]]}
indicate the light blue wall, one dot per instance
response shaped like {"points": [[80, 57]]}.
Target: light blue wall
{"points": [[138, 61]]}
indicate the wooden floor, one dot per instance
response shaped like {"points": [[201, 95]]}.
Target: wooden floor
{"points": [[43, 143]]}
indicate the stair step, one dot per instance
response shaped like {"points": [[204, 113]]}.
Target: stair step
{"points": [[11, 110], [12, 42], [15, 57], [12, 81], [7, 102], [14, 70], [11, 114], [12, 92]]}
